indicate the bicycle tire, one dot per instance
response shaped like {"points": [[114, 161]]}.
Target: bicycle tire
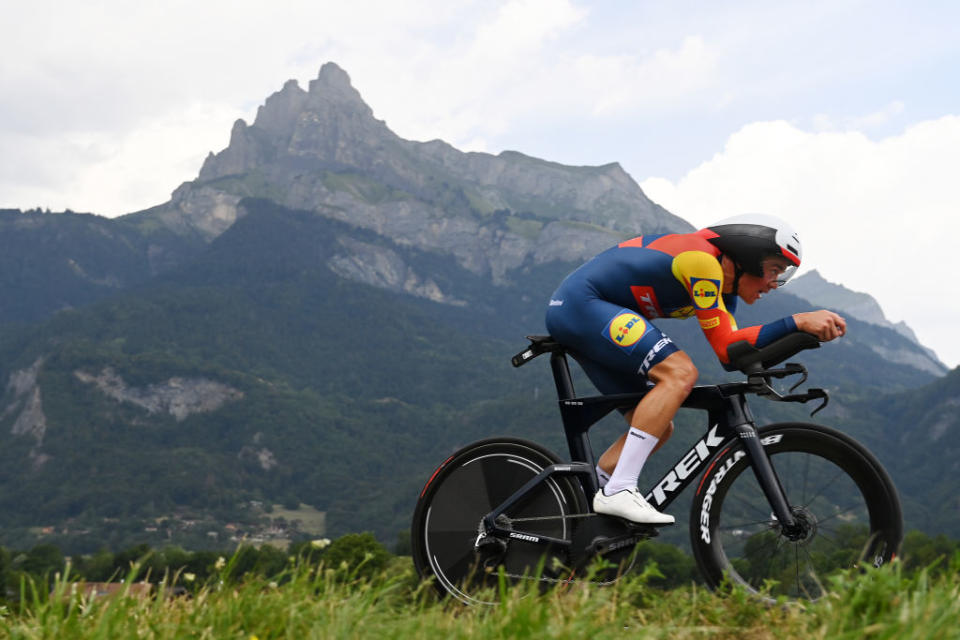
{"points": [[466, 487], [849, 505]]}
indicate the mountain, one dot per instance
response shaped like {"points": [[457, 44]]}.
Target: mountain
{"points": [[55, 261], [242, 377], [818, 291], [917, 433], [319, 318], [322, 150]]}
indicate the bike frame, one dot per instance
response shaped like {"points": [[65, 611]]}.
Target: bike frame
{"points": [[727, 412]]}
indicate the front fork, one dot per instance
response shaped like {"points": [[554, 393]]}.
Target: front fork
{"points": [[769, 481]]}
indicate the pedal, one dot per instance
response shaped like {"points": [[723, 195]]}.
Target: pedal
{"points": [[603, 546], [636, 532], [610, 538], [648, 530]]}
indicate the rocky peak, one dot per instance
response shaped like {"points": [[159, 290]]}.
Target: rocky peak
{"points": [[323, 150], [330, 125], [331, 91], [333, 86], [278, 115]]}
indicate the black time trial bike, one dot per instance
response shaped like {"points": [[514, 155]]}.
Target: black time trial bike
{"points": [[776, 508]]}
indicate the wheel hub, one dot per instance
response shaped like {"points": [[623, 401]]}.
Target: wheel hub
{"points": [[806, 528], [489, 549]]}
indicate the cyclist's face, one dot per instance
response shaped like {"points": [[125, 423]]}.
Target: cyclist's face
{"points": [[775, 271], [752, 287]]}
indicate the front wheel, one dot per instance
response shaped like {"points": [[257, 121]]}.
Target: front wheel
{"points": [[445, 533], [846, 505]]}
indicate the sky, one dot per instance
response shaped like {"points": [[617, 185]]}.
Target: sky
{"points": [[842, 116]]}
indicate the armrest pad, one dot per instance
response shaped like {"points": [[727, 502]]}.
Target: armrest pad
{"points": [[748, 358]]}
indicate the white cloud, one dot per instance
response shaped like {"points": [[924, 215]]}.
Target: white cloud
{"points": [[111, 172], [881, 117], [522, 66], [623, 83], [523, 26], [878, 216], [501, 67]]}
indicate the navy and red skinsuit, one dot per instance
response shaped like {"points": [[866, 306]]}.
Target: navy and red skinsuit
{"points": [[601, 312]]}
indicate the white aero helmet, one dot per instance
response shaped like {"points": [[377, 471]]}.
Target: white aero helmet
{"points": [[749, 238]]}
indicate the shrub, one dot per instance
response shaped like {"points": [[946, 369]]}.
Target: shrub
{"points": [[356, 555]]}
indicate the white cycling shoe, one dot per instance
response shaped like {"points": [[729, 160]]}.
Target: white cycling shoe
{"points": [[630, 505]]}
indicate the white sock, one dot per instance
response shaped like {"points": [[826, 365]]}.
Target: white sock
{"points": [[635, 452], [602, 477]]}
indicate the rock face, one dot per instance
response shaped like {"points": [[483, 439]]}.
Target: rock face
{"points": [[25, 402], [322, 150], [179, 397], [371, 263]]}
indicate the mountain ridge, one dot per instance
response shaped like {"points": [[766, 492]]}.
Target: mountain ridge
{"points": [[814, 288]]}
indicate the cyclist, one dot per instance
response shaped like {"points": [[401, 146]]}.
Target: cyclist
{"points": [[602, 313]]}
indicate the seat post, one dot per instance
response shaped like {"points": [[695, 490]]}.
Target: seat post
{"points": [[577, 440], [561, 375]]}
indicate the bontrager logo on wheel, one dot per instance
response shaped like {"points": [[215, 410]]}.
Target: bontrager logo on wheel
{"points": [[721, 471], [717, 476]]}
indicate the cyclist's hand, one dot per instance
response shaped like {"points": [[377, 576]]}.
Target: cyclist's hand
{"points": [[824, 324]]}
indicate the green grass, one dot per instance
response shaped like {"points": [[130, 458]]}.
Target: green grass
{"points": [[336, 602], [362, 187], [249, 185]]}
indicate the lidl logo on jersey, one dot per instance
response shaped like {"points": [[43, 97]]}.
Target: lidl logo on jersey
{"points": [[626, 329], [706, 293]]}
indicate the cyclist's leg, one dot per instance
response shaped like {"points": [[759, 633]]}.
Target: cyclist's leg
{"points": [[668, 372], [623, 352], [608, 460], [673, 378]]}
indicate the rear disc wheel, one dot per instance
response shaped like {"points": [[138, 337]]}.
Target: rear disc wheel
{"points": [[446, 533]]}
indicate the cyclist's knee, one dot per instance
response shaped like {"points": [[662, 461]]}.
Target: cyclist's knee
{"points": [[677, 371]]}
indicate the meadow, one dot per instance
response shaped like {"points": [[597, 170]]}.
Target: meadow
{"points": [[367, 598]]}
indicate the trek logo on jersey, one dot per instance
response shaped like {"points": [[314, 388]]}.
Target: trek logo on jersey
{"points": [[706, 292], [648, 360], [626, 329]]}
